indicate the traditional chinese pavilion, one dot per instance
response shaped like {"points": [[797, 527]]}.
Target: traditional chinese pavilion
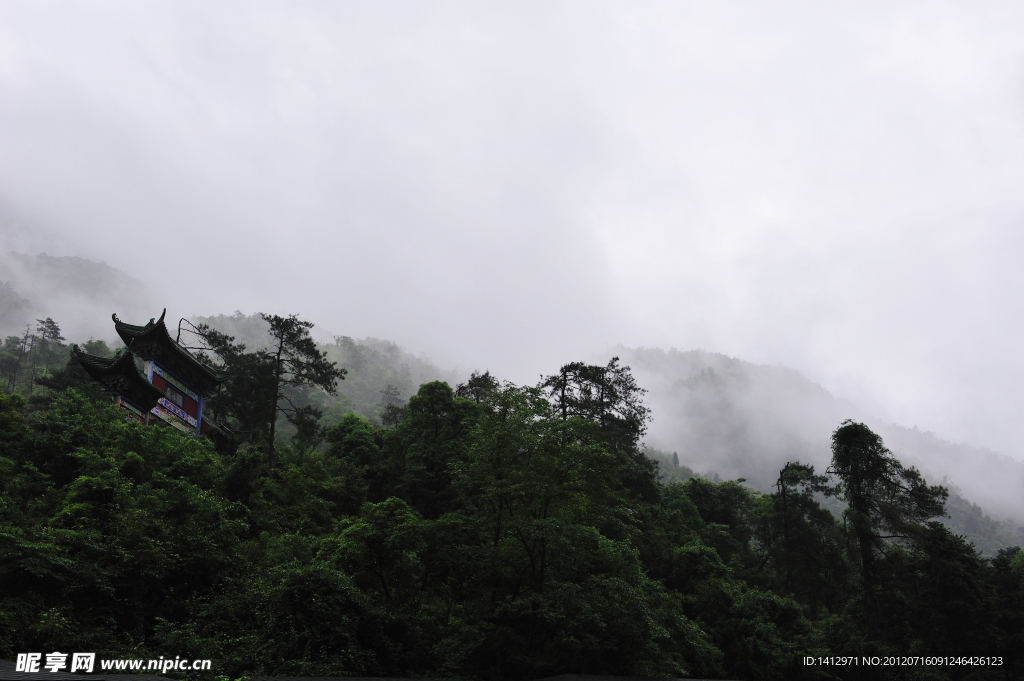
{"points": [[171, 386]]}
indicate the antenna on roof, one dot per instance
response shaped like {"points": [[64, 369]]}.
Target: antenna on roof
{"points": [[193, 330]]}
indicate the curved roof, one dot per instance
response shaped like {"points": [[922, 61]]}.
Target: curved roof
{"points": [[153, 342], [120, 375], [216, 428]]}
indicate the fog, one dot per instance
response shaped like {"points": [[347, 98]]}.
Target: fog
{"points": [[78, 293], [512, 186], [735, 419]]}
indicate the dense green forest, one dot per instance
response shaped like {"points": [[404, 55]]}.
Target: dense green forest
{"points": [[481, 531]]}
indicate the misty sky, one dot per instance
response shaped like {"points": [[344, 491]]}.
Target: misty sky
{"points": [[836, 188]]}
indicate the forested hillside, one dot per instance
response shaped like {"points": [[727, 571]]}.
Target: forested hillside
{"points": [[379, 372], [486, 531], [728, 419], [741, 419]]}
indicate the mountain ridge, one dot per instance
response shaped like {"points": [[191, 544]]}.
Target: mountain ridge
{"points": [[721, 413], [742, 419], [77, 292]]}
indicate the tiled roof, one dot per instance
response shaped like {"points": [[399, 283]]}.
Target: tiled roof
{"points": [[119, 375], [218, 427], [153, 341]]}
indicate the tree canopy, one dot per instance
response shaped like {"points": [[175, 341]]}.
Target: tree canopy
{"points": [[268, 382], [885, 501], [492, 532]]}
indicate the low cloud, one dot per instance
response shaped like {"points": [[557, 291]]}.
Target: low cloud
{"points": [[514, 186]]}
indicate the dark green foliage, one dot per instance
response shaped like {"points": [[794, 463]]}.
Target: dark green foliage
{"points": [[246, 398], [800, 544], [37, 358], [1008, 613], [951, 602], [478, 388], [493, 532], [272, 381], [607, 395], [885, 502], [357, 441], [429, 443], [99, 540], [296, 362]]}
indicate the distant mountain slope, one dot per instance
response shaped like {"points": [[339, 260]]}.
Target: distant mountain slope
{"points": [[373, 364], [15, 311], [79, 294], [719, 413], [746, 420]]}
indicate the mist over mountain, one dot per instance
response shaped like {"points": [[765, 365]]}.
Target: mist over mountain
{"points": [[740, 419], [248, 329], [79, 293], [722, 415], [15, 311], [372, 364], [823, 197]]}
